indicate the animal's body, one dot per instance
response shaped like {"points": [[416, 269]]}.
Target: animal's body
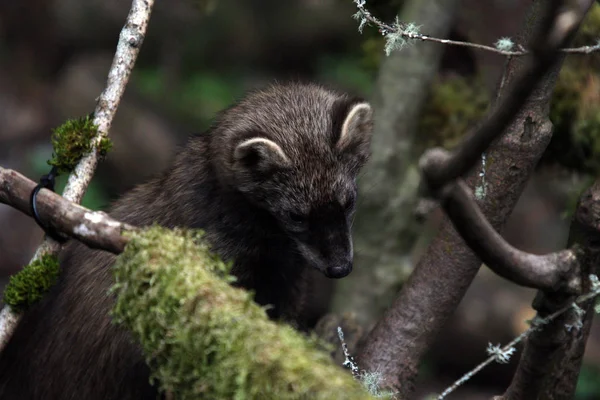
{"points": [[272, 183]]}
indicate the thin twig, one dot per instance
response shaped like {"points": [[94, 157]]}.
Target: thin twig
{"points": [[536, 323], [502, 84], [400, 28], [130, 40]]}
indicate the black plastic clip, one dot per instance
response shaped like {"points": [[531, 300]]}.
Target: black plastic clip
{"points": [[46, 182]]}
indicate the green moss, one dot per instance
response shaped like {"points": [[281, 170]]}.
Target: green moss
{"points": [[29, 285], [204, 338], [453, 106], [72, 140], [104, 146]]}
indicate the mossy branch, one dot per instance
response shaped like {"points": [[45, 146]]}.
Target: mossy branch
{"points": [[203, 337]]}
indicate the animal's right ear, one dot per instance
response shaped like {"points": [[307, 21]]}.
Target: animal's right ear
{"points": [[353, 129], [259, 155]]}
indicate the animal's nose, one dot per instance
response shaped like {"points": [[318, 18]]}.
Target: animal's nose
{"points": [[338, 271]]}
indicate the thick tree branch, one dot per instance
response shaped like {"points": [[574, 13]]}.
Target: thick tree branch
{"points": [[399, 340], [128, 47], [550, 272], [94, 228]]}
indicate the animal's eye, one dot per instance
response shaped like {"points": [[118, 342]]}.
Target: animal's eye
{"points": [[297, 218]]}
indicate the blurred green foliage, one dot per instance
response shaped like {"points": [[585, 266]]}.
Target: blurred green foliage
{"points": [[575, 108], [346, 71], [588, 385], [453, 106], [199, 96]]}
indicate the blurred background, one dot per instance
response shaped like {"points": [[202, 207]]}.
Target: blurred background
{"points": [[200, 56]]}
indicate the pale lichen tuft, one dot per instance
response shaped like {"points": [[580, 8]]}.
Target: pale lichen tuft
{"points": [[504, 44]]}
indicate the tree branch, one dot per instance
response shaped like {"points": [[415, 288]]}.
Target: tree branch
{"points": [[551, 272], [128, 47], [187, 276], [94, 228], [409, 33]]}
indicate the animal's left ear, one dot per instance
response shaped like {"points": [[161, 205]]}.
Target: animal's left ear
{"points": [[355, 129]]}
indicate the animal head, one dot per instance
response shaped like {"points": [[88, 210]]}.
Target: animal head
{"points": [[295, 151]]}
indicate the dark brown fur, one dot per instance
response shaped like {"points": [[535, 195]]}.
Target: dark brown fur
{"points": [[274, 220]]}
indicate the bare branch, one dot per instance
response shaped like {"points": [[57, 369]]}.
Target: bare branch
{"points": [[94, 228], [549, 272], [128, 47], [409, 34]]}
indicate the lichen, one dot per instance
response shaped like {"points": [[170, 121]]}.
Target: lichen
{"points": [[504, 44], [31, 283], [72, 140], [204, 338]]}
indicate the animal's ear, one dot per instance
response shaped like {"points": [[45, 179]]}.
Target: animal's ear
{"points": [[259, 155], [355, 129]]}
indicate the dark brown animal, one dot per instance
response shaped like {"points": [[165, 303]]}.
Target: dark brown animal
{"points": [[272, 184]]}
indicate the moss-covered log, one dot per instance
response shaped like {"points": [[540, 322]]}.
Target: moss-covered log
{"points": [[203, 338]]}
